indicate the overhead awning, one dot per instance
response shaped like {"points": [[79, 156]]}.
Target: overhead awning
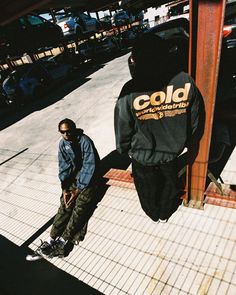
{"points": [[178, 2], [137, 5], [12, 9]]}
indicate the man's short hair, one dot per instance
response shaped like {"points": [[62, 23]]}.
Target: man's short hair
{"points": [[67, 121]]}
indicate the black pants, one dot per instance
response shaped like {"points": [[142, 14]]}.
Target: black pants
{"points": [[158, 189]]}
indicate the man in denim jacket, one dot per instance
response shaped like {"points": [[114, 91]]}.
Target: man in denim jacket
{"points": [[78, 174]]}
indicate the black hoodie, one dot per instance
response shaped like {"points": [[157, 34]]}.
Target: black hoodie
{"points": [[154, 120]]}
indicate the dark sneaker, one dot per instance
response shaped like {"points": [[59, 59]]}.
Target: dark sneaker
{"points": [[57, 249], [68, 248], [42, 251]]}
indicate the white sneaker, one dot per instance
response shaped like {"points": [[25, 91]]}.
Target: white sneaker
{"points": [[163, 220], [42, 251], [34, 256]]}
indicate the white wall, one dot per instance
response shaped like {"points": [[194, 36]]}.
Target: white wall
{"points": [[152, 12]]}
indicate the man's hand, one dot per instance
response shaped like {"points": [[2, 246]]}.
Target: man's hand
{"points": [[66, 197], [70, 196]]}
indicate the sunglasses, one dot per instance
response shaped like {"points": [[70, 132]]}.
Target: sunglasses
{"points": [[66, 131]]}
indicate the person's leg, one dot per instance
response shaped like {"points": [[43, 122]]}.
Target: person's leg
{"points": [[171, 193], [70, 224], [59, 224], [149, 184], [61, 219], [77, 225]]}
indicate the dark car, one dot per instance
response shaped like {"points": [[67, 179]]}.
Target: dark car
{"points": [[105, 46], [27, 34], [3, 97], [128, 37], [121, 18], [106, 23], [93, 49], [30, 81], [25, 82], [229, 31], [3, 75], [229, 41]]}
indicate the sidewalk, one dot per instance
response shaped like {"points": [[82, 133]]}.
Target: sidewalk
{"points": [[124, 252]]}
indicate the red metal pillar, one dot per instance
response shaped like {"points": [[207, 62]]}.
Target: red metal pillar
{"points": [[204, 64]]}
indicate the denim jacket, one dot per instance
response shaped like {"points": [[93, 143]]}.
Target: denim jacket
{"points": [[78, 161]]}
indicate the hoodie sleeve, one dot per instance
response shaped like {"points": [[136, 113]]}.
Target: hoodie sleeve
{"points": [[88, 165], [196, 119], [124, 124]]}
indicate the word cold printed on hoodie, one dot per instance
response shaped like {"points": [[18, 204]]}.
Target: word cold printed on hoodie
{"points": [[160, 104]]}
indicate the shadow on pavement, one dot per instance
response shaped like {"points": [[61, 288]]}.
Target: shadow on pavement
{"points": [[19, 276], [112, 160]]}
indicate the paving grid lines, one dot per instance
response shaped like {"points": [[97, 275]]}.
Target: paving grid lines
{"points": [[142, 257], [124, 252], [121, 239], [24, 184]]}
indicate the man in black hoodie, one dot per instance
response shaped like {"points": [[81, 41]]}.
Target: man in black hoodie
{"points": [[156, 117]]}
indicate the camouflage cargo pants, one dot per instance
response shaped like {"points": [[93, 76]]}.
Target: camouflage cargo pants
{"points": [[71, 223]]}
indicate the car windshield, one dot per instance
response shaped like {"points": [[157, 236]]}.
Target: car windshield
{"points": [[35, 20], [17, 74], [62, 16], [166, 34], [120, 13]]}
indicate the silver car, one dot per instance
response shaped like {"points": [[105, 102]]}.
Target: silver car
{"points": [[79, 24]]}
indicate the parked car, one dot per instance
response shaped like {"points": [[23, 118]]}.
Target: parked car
{"points": [[86, 49], [3, 75], [128, 37], [30, 81], [229, 31], [121, 18], [95, 48], [61, 20], [106, 23], [27, 34], [2, 97], [138, 17], [105, 46], [227, 70], [57, 68], [79, 24]]}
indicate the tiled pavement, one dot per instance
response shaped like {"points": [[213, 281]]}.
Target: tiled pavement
{"points": [[124, 252]]}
